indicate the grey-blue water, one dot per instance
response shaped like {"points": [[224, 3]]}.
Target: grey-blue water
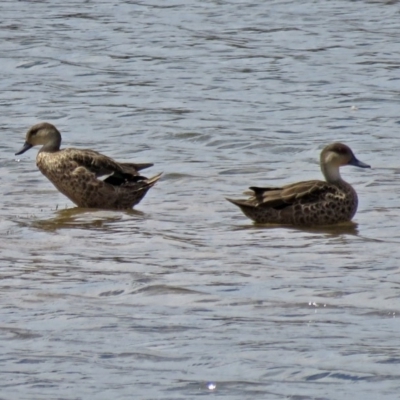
{"points": [[185, 297]]}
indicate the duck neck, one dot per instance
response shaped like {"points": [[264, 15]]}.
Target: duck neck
{"points": [[52, 146], [331, 173]]}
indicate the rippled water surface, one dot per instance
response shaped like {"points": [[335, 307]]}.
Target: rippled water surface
{"points": [[184, 296]]}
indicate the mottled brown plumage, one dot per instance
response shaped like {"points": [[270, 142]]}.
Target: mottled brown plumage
{"points": [[308, 203], [75, 172]]}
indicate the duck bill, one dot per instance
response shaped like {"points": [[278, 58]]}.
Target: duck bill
{"points": [[358, 163], [25, 147]]}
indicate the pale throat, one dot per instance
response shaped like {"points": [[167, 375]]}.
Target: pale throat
{"points": [[52, 146], [331, 173]]}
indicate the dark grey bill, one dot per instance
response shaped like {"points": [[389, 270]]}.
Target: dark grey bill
{"points": [[25, 147], [358, 163]]}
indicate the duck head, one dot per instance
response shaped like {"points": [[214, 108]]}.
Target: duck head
{"points": [[44, 134], [337, 155]]}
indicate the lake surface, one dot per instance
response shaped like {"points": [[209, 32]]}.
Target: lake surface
{"points": [[184, 296]]}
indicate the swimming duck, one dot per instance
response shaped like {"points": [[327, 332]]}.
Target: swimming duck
{"points": [[76, 172], [308, 203]]}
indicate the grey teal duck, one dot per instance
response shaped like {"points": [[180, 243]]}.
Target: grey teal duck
{"points": [[308, 203], [76, 172]]}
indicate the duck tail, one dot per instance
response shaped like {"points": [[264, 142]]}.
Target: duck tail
{"points": [[249, 209], [153, 180], [242, 204]]}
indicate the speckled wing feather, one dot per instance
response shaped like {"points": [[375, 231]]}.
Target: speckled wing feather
{"points": [[92, 160], [301, 193], [100, 164]]}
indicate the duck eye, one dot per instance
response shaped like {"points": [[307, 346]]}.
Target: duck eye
{"points": [[341, 150]]}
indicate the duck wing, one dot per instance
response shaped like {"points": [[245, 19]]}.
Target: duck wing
{"points": [[101, 165], [135, 167], [297, 193]]}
